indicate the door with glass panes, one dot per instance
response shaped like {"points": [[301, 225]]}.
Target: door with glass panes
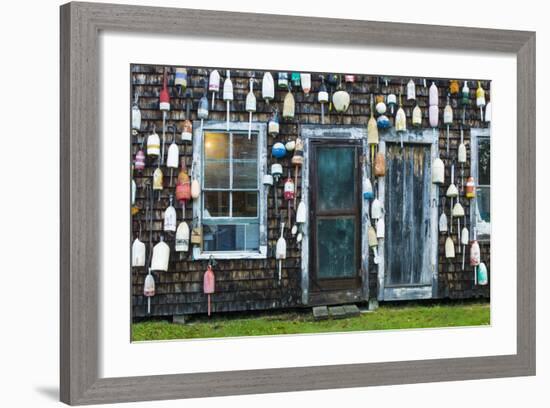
{"points": [[335, 182]]}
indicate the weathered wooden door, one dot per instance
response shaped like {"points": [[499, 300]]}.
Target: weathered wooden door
{"points": [[335, 257], [409, 236]]}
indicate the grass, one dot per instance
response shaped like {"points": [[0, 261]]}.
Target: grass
{"points": [[386, 317]]}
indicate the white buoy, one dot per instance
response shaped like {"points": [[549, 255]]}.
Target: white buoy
{"points": [[138, 253], [373, 242], [400, 121], [268, 87], [250, 106], [449, 248], [443, 222], [149, 289], [448, 119], [305, 80], [376, 209], [458, 213], [136, 114], [464, 240], [322, 98], [228, 95], [462, 156], [280, 250], [380, 228], [161, 256], [170, 217], [182, 237], [438, 171], [301, 213], [411, 90], [214, 84]]}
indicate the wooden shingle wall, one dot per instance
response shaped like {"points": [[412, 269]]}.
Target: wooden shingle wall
{"points": [[253, 284]]}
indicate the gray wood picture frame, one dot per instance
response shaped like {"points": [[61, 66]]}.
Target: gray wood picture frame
{"points": [[80, 234]]}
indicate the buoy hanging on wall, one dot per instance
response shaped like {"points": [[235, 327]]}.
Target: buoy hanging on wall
{"points": [[372, 133], [149, 289], [376, 209], [138, 253], [278, 150], [187, 127], [268, 87], [214, 84], [161, 256], [475, 255], [227, 96], [417, 116], [305, 80], [453, 87], [380, 165], [368, 193], [373, 242], [170, 217], [182, 237], [136, 114], [438, 171], [470, 188], [482, 274], [209, 285], [180, 79], [273, 123], [250, 105], [153, 144], [400, 121], [341, 100], [202, 111], [288, 105], [392, 102], [322, 97], [443, 222], [164, 97], [448, 119], [465, 94], [380, 228], [282, 80], [411, 90], [464, 240], [280, 251], [172, 161], [449, 248], [480, 99], [139, 162]]}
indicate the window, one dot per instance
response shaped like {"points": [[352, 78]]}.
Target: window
{"points": [[232, 208], [481, 170]]}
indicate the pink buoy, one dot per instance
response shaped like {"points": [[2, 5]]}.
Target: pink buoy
{"points": [[209, 285]]}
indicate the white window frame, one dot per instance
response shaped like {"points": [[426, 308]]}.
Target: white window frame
{"points": [[260, 129], [475, 135]]}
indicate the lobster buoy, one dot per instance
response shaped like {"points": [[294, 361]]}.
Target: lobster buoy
{"points": [[438, 171], [139, 162], [372, 129], [464, 240], [301, 213], [187, 131], [305, 79], [462, 149], [278, 150], [453, 87], [380, 165], [392, 102], [195, 189], [268, 87], [161, 256], [267, 180], [482, 275], [470, 188], [480, 99], [341, 101], [449, 248], [183, 188], [227, 96], [138, 253], [214, 84], [170, 217], [443, 224], [465, 94], [376, 209], [380, 105], [368, 193], [172, 160], [400, 121], [448, 118], [383, 122], [295, 79], [288, 106], [180, 79], [158, 179], [202, 110], [209, 285], [289, 189], [149, 289], [411, 90], [250, 106], [182, 237], [280, 250], [417, 116], [434, 95], [273, 124], [350, 78], [290, 145], [153, 144], [475, 253], [136, 114], [164, 97], [276, 170], [282, 80]]}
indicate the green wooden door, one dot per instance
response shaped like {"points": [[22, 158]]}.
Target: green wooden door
{"points": [[335, 188]]}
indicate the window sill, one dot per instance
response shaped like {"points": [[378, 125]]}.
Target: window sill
{"points": [[203, 255]]}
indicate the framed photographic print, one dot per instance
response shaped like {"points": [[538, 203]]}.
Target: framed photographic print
{"points": [[259, 206]]}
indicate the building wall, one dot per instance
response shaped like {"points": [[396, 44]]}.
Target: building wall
{"points": [[253, 284]]}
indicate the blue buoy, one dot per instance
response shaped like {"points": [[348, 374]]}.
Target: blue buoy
{"points": [[278, 150]]}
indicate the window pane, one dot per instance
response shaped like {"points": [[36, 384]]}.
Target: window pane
{"points": [[234, 237], [216, 204], [336, 168], [245, 204], [216, 146], [245, 174], [244, 149], [216, 174], [483, 212], [336, 247], [484, 161]]}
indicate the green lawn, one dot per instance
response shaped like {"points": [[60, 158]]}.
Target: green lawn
{"points": [[385, 317]]}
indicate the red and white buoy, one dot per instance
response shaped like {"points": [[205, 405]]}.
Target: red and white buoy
{"points": [[149, 289], [209, 285], [214, 84], [250, 105], [289, 193], [228, 95]]}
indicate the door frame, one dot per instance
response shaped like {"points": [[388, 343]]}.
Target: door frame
{"points": [[427, 137], [334, 283], [333, 133]]}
